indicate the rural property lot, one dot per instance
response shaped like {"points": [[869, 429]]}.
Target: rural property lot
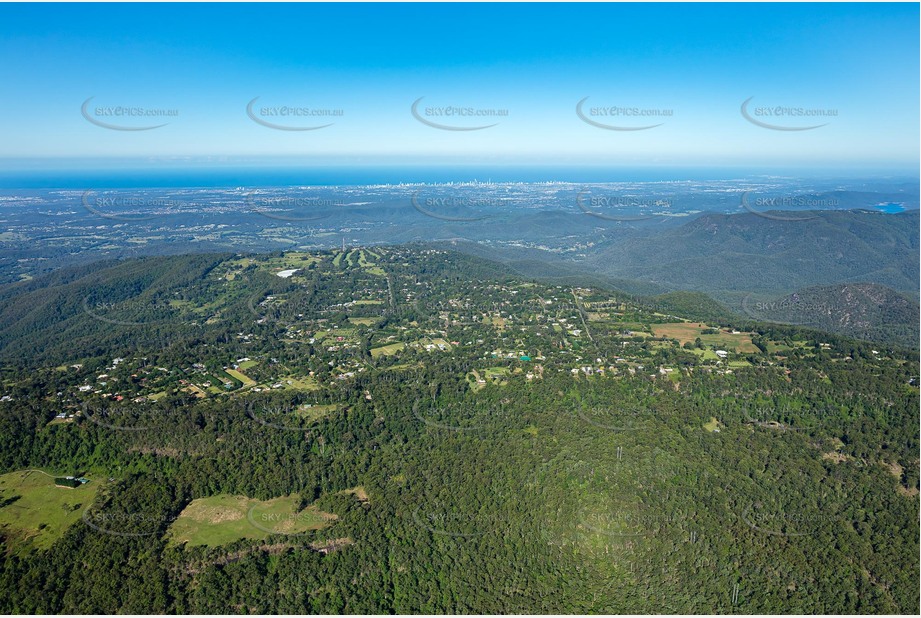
{"points": [[36, 511], [686, 332]]}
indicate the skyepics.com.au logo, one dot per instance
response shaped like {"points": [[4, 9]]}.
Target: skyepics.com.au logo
{"points": [[129, 207], [455, 117], [615, 417], [782, 418], [127, 312], [445, 519], [794, 309], [286, 417], [628, 521], [301, 523], [620, 208], [615, 496], [454, 208], [293, 208], [779, 117], [291, 117], [790, 522], [282, 308], [614, 117], [774, 207], [134, 417], [303, 418], [125, 117], [125, 523], [460, 416]]}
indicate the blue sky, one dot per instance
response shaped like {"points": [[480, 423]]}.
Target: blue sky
{"points": [[699, 62]]}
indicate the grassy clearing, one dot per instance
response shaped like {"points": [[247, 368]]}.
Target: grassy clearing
{"points": [[247, 364], [474, 379], [330, 336], [774, 346], [369, 265], [689, 331], [496, 375], [41, 512], [304, 383], [706, 354], [223, 519], [294, 260], [393, 348], [247, 381], [598, 317], [637, 330], [316, 412], [403, 366], [713, 424], [364, 321], [359, 492], [682, 331], [195, 391]]}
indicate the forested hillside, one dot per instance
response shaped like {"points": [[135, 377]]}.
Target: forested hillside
{"points": [[408, 429]]}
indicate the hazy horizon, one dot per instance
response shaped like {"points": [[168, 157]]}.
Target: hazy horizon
{"points": [[798, 85]]}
